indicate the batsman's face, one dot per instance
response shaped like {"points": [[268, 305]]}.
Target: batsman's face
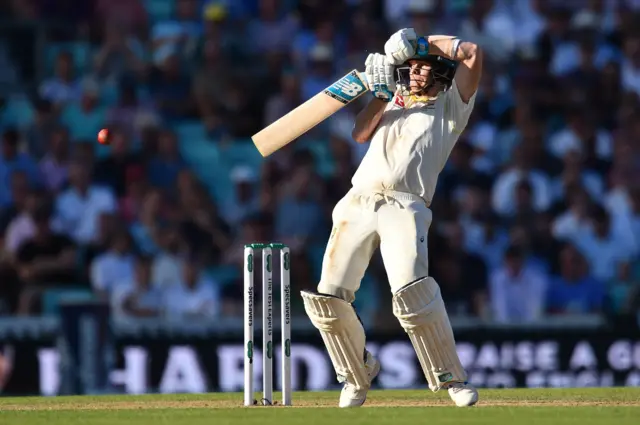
{"points": [[419, 77]]}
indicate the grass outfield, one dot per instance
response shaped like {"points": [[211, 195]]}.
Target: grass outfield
{"points": [[619, 406]]}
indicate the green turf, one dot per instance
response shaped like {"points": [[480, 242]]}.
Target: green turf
{"points": [[619, 406]]}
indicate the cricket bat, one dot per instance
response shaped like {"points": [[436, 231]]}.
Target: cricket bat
{"points": [[311, 113]]}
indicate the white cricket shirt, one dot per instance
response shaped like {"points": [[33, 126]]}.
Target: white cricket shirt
{"points": [[411, 145]]}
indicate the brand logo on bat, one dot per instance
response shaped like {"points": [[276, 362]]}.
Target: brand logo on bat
{"points": [[346, 88]]}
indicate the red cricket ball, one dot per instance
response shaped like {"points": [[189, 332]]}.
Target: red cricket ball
{"points": [[103, 136]]}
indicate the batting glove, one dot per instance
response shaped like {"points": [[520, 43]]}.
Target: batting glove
{"points": [[401, 46], [380, 76]]}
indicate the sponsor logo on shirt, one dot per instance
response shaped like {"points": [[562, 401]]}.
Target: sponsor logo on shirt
{"points": [[398, 101]]}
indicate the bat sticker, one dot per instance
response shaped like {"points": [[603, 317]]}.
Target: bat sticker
{"points": [[347, 88]]}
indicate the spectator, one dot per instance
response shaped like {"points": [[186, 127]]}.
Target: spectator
{"points": [[631, 63], [19, 183], [121, 166], [44, 127], [464, 289], [503, 196], [241, 112], [193, 295], [623, 290], [11, 161], [121, 55], [605, 246], [168, 265], [171, 88], [131, 15], [214, 73], [22, 227], [460, 174], [244, 200], [133, 113], [254, 229], [115, 266], [131, 203], [544, 246], [489, 25], [179, 34], [552, 136], [201, 225], [147, 226], [79, 207], [320, 72], [164, 168], [298, 215], [574, 290], [517, 290], [63, 87], [46, 260], [574, 174], [582, 134], [86, 117], [273, 30], [284, 101], [524, 210], [54, 167], [575, 219], [108, 224], [137, 297]]}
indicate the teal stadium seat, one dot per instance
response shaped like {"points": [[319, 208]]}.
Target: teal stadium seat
{"points": [[321, 153], [159, 10], [190, 131], [51, 298], [202, 155], [17, 112], [224, 275], [81, 51], [242, 152]]}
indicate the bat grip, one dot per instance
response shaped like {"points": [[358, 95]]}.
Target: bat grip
{"points": [[363, 77]]}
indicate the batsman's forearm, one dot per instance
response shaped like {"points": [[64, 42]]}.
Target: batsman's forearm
{"points": [[452, 47], [367, 120]]}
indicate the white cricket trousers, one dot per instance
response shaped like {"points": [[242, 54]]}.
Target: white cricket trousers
{"points": [[396, 222]]}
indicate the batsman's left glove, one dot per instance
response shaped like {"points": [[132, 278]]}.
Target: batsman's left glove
{"points": [[380, 76]]}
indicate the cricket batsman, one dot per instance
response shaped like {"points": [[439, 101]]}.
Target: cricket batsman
{"points": [[424, 90]]}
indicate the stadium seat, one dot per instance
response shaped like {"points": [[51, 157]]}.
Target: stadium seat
{"points": [[52, 298], [18, 112], [159, 10], [224, 275], [321, 153], [188, 131], [241, 152]]}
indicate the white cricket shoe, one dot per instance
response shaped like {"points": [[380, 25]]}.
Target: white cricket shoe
{"points": [[352, 397], [463, 394]]}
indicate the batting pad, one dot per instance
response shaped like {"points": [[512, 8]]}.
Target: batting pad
{"points": [[420, 309], [342, 333]]}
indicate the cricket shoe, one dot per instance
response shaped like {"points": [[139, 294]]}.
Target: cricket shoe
{"points": [[353, 397], [463, 394]]}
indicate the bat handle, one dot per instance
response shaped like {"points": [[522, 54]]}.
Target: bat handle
{"points": [[363, 77]]}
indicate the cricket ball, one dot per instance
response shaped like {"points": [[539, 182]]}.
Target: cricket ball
{"points": [[104, 137]]}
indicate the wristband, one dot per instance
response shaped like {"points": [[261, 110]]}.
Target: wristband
{"points": [[454, 48], [422, 47]]}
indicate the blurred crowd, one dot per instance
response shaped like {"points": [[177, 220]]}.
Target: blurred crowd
{"points": [[537, 213]]}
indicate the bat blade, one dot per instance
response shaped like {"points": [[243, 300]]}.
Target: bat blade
{"points": [[311, 113]]}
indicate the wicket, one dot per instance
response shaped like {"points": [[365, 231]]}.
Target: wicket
{"points": [[267, 322]]}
